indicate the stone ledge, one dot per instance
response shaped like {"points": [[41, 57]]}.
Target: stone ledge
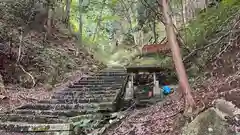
{"points": [[25, 127]]}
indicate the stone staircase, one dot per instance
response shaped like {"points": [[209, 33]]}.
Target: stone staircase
{"points": [[66, 113]]}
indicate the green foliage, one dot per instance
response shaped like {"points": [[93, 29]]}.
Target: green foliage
{"points": [[198, 32], [146, 11], [91, 16], [206, 24], [229, 2], [204, 30], [110, 18]]}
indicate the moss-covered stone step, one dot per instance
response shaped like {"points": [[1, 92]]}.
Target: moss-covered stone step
{"points": [[97, 82], [50, 119], [111, 74], [65, 113], [82, 106], [88, 98], [25, 127], [38, 133], [82, 95], [94, 86], [104, 78], [113, 70], [87, 116], [93, 89], [80, 100]]}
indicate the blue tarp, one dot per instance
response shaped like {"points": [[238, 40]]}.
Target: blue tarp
{"points": [[166, 90]]}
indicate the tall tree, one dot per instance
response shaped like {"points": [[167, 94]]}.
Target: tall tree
{"points": [[177, 58], [50, 9], [2, 88], [127, 13], [183, 13], [80, 21], [66, 15], [99, 20]]}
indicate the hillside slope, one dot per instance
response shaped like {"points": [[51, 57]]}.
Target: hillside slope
{"points": [[32, 63]]}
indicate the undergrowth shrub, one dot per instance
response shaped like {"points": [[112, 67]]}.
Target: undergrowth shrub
{"points": [[207, 35]]}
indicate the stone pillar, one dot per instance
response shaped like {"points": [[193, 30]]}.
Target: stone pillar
{"points": [[156, 89], [129, 89]]}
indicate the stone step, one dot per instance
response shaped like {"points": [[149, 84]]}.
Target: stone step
{"points": [[89, 98], [97, 82], [96, 86], [94, 89], [78, 100], [87, 116], [26, 127], [31, 118], [115, 70], [65, 113], [85, 106], [111, 74], [104, 78], [82, 95], [2, 132], [112, 71]]}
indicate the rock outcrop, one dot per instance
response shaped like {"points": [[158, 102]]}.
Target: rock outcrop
{"points": [[215, 121]]}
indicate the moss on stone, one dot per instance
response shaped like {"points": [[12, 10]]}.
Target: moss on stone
{"points": [[41, 128]]}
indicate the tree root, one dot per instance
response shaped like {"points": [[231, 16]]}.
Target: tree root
{"points": [[189, 114], [33, 80]]}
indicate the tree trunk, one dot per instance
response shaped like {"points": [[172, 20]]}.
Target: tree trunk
{"points": [[192, 7], [63, 5], [80, 22], [206, 4], [183, 12], [128, 14], [99, 20], [2, 88], [49, 21], [67, 13], [154, 32], [50, 18], [177, 59]]}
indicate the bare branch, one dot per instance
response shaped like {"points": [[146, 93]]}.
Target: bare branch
{"points": [[33, 81], [195, 50]]}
